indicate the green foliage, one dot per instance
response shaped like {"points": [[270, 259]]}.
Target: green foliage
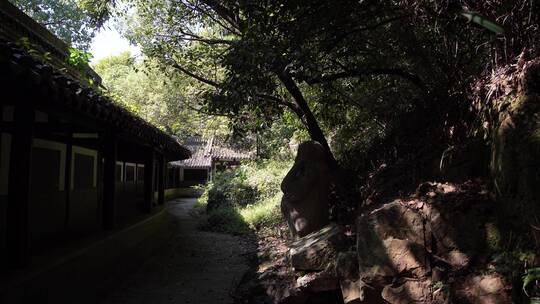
{"points": [[263, 213], [34, 50], [247, 197], [510, 262], [493, 237], [67, 19], [440, 286], [372, 72], [531, 275], [156, 96], [226, 220], [278, 140], [248, 58], [231, 188], [79, 59], [484, 22]]}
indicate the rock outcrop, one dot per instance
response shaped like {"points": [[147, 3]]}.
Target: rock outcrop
{"points": [[509, 104], [419, 250], [306, 190], [392, 241], [318, 250], [481, 289]]}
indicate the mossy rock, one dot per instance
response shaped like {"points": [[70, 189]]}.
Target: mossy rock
{"points": [[515, 159]]}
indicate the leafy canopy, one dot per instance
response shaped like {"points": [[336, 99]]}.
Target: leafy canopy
{"points": [[67, 19], [358, 74], [157, 97]]}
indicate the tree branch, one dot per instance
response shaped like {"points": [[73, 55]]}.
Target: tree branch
{"points": [[369, 27], [370, 72], [182, 69], [195, 37], [186, 104], [226, 13], [55, 22], [292, 106], [314, 130], [207, 13]]}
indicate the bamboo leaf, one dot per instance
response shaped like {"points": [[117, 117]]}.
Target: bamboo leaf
{"points": [[483, 22]]}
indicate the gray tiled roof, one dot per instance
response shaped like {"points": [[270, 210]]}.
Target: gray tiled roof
{"points": [[205, 151], [25, 74]]}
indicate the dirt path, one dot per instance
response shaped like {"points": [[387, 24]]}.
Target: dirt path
{"points": [[195, 267]]}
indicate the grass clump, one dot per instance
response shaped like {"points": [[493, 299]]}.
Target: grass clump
{"points": [[264, 213], [227, 220], [244, 199]]}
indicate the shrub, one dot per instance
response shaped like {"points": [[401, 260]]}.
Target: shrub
{"points": [[226, 219], [229, 188], [245, 198], [265, 213]]}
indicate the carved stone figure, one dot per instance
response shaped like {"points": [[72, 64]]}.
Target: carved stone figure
{"points": [[305, 189]]}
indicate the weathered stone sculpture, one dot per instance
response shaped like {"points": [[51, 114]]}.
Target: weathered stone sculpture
{"points": [[305, 191]]}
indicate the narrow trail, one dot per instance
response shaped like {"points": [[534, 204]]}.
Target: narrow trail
{"points": [[194, 267]]}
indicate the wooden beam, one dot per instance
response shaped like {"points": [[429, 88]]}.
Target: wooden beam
{"points": [[161, 178], [54, 127], [67, 182], [110, 152], [149, 181], [19, 187]]}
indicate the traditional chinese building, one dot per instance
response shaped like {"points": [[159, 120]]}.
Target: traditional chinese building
{"points": [[208, 157], [82, 180]]}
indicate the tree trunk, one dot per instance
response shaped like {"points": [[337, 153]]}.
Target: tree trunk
{"points": [[313, 127], [342, 196]]}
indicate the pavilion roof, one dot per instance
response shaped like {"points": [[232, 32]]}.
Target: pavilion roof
{"points": [[206, 151]]}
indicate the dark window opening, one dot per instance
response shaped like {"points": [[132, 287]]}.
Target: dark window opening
{"points": [[118, 172], [130, 173], [156, 178], [83, 171], [171, 180], [140, 173]]}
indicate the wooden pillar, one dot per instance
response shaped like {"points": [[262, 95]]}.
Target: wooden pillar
{"points": [[67, 179], [161, 178], [149, 181], [175, 177], [181, 174], [19, 187], [110, 151]]}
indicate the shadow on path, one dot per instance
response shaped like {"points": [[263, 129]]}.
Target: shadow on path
{"points": [[194, 267]]}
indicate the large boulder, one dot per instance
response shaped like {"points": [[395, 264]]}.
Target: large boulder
{"points": [[449, 225], [325, 280], [515, 146], [481, 289], [318, 250], [306, 188], [415, 291], [406, 248], [391, 241], [347, 271], [347, 265], [351, 291], [460, 219], [407, 257]]}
